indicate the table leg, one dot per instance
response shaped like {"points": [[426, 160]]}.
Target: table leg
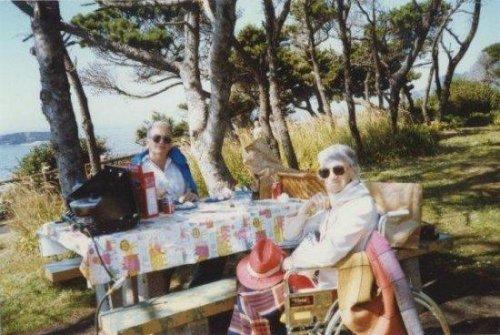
{"points": [[128, 292], [100, 292], [116, 299]]}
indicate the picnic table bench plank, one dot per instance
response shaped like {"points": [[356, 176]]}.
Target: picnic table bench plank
{"points": [[63, 270], [172, 310]]}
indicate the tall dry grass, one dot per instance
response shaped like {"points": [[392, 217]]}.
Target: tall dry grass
{"points": [[29, 205], [381, 145]]}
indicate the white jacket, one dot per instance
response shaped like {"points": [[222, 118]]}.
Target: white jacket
{"points": [[344, 228]]}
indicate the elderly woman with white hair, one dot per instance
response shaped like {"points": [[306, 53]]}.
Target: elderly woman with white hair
{"points": [[344, 219]]}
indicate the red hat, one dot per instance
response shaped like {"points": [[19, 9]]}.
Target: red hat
{"points": [[262, 268]]}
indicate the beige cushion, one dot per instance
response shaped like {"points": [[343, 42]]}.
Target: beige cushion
{"points": [[403, 232]]}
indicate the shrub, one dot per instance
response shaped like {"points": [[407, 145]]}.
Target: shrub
{"points": [[31, 164], [468, 97], [179, 129], [469, 100], [479, 119]]}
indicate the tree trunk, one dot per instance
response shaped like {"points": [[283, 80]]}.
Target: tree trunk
{"points": [[88, 127], [272, 35], [343, 13], [398, 78], [264, 113], [444, 97], [323, 100], [435, 64], [207, 127], [325, 104], [55, 95], [409, 99], [309, 108], [375, 55], [366, 84], [378, 89], [321, 109], [425, 103], [394, 106]]}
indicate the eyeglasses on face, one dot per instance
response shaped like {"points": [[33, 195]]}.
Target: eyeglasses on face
{"points": [[337, 170], [159, 138]]}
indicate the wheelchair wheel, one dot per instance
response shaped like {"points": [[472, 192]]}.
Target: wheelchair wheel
{"points": [[424, 303]]}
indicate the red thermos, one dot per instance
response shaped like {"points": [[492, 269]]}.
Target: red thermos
{"points": [[145, 191]]}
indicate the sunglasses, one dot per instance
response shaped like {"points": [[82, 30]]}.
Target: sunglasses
{"points": [[337, 170], [159, 138]]}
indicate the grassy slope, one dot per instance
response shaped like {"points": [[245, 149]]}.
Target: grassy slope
{"points": [[461, 195], [28, 301], [461, 185]]}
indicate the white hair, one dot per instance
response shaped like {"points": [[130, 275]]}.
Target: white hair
{"points": [[339, 152], [157, 124]]}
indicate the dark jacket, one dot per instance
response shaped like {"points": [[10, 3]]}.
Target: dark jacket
{"points": [[179, 160]]}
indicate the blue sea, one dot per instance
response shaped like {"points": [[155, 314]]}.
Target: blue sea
{"points": [[120, 141]]}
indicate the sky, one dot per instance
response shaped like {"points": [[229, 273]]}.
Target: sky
{"points": [[20, 108]]}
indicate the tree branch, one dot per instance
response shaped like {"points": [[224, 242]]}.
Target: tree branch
{"points": [[282, 17], [24, 7], [455, 37], [142, 56], [100, 79], [138, 55], [447, 50], [125, 4], [365, 13]]}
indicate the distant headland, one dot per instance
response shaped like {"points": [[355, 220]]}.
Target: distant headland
{"points": [[25, 137]]}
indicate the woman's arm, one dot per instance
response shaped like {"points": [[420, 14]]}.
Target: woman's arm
{"points": [[294, 226], [354, 221]]}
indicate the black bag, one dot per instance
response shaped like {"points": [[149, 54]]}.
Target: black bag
{"points": [[107, 201]]}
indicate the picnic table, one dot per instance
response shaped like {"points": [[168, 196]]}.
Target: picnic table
{"points": [[185, 237], [213, 229]]}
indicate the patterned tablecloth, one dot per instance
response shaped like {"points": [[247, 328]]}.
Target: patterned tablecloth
{"points": [[184, 237]]}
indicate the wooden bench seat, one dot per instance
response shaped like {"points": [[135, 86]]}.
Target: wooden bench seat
{"points": [[172, 310], [64, 270]]}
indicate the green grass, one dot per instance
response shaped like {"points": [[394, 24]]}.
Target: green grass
{"points": [[29, 302], [461, 192], [461, 183]]}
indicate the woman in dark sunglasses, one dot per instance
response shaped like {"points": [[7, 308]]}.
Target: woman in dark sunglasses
{"points": [[343, 220], [173, 178], [172, 174]]}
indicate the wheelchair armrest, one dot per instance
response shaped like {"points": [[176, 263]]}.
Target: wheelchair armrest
{"points": [[389, 216], [398, 213]]}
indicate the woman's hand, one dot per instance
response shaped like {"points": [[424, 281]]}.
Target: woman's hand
{"points": [[315, 204], [188, 196]]}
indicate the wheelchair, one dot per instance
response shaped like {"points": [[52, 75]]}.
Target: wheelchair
{"points": [[316, 311]]}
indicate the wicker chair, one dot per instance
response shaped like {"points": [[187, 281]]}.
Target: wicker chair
{"points": [[301, 185]]}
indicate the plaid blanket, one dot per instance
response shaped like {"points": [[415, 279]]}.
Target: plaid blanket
{"points": [[381, 254], [252, 307]]}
